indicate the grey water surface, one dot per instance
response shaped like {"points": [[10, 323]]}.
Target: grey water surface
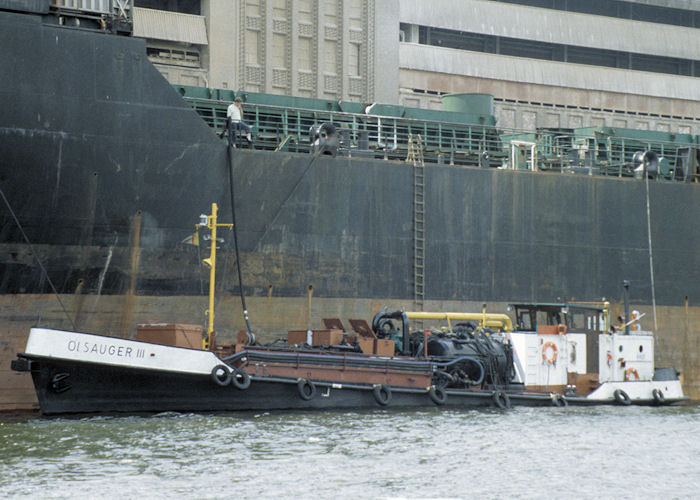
{"points": [[597, 452]]}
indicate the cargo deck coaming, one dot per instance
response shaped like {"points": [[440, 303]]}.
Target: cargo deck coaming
{"points": [[105, 164]]}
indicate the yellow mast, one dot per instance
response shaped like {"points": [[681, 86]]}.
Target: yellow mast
{"points": [[210, 222]]}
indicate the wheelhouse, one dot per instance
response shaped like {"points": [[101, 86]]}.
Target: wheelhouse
{"points": [[576, 317]]}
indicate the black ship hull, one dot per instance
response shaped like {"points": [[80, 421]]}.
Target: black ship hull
{"points": [[99, 389], [76, 373], [105, 167], [66, 387]]}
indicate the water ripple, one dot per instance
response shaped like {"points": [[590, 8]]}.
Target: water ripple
{"points": [[600, 452]]}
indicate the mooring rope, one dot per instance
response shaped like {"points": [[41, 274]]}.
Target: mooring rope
{"points": [[235, 234], [36, 257], [651, 258]]}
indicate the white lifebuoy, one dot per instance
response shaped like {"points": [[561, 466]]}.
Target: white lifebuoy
{"points": [[629, 372], [550, 360], [634, 321]]}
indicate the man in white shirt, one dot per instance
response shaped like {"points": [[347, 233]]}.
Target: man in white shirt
{"points": [[234, 115]]}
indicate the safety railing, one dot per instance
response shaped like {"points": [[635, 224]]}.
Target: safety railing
{"points": [[599, 152], [285, 128], [580, 151], [120, 10]]}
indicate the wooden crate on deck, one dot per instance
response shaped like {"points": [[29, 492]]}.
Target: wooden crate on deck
{"points": [[173, 334], [384, 347], [367, 345], [327, 337], [318, 337], [295, 337]]}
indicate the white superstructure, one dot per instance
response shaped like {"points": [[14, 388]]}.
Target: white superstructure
{"points": [[572, 349]]}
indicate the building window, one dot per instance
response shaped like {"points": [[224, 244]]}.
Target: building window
{"points": [[619, 9], [355, 60], [518, 47]]}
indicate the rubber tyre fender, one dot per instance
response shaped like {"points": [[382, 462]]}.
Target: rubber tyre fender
{"points": [[382, 393], [622, 397], [559, 401], [307, 389], [223, 382], [437, 395], [240, 379], [658, 396], [501, 399]]}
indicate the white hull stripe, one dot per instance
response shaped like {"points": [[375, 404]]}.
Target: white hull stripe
{"points": [[111, 351]]}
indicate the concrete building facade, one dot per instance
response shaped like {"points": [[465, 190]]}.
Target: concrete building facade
{"points": [[548, 63]]}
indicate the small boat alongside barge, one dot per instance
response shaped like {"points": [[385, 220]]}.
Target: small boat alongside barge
{"points": [[464, 366], [555, 354], [573, 349]]}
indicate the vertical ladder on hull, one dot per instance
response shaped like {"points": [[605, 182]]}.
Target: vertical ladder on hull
{"points": [[415, 155]]}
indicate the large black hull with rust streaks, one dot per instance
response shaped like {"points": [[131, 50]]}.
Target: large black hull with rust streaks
{"points": [[69, 387], [107, 169]]}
